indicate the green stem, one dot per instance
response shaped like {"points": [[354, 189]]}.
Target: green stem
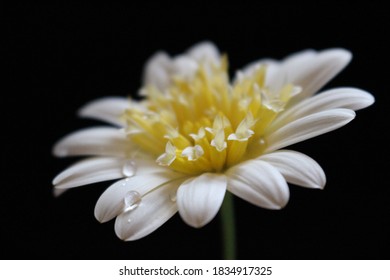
{"points": [[228, 228]]}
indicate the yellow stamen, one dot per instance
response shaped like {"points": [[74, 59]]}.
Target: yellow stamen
{"points": [[218, 150], [202, 123]]}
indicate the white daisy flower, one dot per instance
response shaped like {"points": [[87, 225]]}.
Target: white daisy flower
{"points": [[196, 135]]}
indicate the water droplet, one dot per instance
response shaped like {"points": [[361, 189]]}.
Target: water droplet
{"points": [[129, 168], [132, 200], [129, 221]]}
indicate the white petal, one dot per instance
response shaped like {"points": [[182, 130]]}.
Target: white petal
{"points": [[299, 58], [154, 210], [108, 109], [110, 203], [204, 51], [90, 171], [313, 73], [200, 198], [272, 66], [297, 168], [104, 141], [157, 71], [308, 69], [184, 67], [349, 98], [259, 183], [307, 127], [146, 165], [281, 72], [289, 68]]}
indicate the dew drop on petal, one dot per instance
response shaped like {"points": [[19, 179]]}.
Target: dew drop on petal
{"points": [[132, 200], [129, 168]]}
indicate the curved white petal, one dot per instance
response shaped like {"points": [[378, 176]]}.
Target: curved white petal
{"points": [[101, 141], [308, 69], [297, 168], [204, 51], [108, 109], [288, 69], [349, 98], [299, 58], [259, 183], [153, 211], [199, 198], [90, 171], [157, 71], [110, 203], [271, 65], [307, 127], [312, 73], [184, 67], [277, 69]]}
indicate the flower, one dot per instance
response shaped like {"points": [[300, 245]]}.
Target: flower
{"points": [[196, 135]]}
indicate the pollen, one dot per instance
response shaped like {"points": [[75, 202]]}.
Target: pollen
{"points": [[206, 123]]}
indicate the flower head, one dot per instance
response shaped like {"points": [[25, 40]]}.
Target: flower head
{"points": [[197, 134]]}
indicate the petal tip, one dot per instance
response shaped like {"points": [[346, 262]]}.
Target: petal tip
{"points": [[361, 98], [367, 99], [121, 232], [120, 236], [58, 192], [101, 219], [281, 205], [349, 114], [200, 198], [317, 186], [56, 180], [344, 56], [59, 151], [83, 111], [100, 215], [88, 108]]}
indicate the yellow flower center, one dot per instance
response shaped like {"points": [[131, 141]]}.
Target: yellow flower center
{"points": [[205, 123]]}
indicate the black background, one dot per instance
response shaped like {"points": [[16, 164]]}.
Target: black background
{"points": [[58, 57]]}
